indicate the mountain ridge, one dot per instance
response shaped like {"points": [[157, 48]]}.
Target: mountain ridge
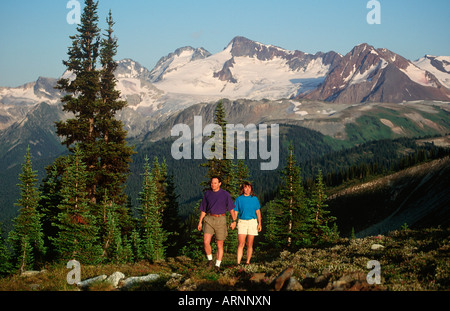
{"points": [[366, 74], [252, 70]]}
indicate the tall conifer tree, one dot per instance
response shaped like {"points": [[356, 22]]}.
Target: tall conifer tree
{"points": [[5, 256], [295, 215], [77, 230], [83, 93], [222, 167], [27, 237], [115, 153], [153, 235], [322, 221], [48, 205], [92, 98], [171, 218]]}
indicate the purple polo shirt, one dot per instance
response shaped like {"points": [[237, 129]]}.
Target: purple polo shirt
{"points": [[216, 202]]}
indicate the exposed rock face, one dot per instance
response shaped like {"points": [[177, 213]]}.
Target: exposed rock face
{"points": [[367, 74], [225, 74], [296, 60]]}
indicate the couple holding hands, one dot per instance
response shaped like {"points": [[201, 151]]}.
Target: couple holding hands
{"points": [[216, 202]]}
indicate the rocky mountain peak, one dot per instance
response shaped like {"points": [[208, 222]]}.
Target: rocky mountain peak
{"points": [[369, 74], [128, 68], [241, 46]]}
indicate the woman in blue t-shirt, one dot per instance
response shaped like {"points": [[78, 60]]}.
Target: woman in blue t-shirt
{"points": [[249, 213]]}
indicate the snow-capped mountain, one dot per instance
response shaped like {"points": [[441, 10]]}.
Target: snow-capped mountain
{"points": [[175, 60], [16, 102], [367, 74], [135, 87], [248, 69], [439, 66], [252, 70]]}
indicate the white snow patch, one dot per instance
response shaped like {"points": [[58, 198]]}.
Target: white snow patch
{"points": [[443, 77], [256, 79], [417, 75]]}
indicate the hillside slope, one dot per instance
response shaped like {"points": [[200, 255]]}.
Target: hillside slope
{"points": [[418, 196]]}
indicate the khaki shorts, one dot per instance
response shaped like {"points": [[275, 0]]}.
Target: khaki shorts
{"points": [[248, 227], [216, 225]]}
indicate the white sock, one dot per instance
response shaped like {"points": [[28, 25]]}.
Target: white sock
{"points": [[209, 256], [218, 262]]}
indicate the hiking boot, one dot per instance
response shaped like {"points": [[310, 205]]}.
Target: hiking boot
{"points": [[210, 264]]}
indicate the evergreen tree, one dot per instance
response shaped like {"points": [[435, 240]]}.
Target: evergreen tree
{"points": [[159, 173], [83, 94], [135, 246], [48, 205], [27, 237], [321, 230], [294, 214], [272, 226], [77, 230], [242, 172], [114, 152], [5, 256], [171, 219], [153, 236], [192, 239], [222, 167], [92, 98], [114, 248]]}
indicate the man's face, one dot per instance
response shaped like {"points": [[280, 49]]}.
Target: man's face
{"points": [[215, 184]]}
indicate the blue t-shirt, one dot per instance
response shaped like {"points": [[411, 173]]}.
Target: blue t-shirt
{"points": [[246, 206]]}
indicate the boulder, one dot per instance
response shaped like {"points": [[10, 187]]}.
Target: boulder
{"points": [[257, 277], [293, 285], [322, 280], [284, 276], [376, 247], [115, 278], [188, 285], [139, 279], [26, 274], [174, 281], [86, 283], [352, 281]]}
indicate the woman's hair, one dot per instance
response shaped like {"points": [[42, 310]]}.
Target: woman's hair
{"points": [[246, 183]]}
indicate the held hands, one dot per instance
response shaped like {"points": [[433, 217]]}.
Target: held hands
{"points": [[233, 225]]}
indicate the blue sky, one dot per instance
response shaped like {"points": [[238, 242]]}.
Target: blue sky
{"points": [[34, 34]]}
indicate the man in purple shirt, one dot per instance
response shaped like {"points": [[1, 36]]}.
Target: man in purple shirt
{"points": [[216, 202]]}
